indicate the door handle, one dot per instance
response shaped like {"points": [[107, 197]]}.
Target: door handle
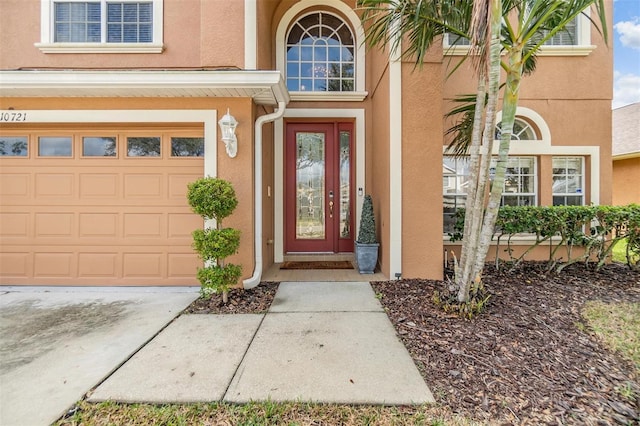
{"points": [[331, 209]]}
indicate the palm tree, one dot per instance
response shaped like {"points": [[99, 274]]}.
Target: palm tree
{"points": [[503, 34]]}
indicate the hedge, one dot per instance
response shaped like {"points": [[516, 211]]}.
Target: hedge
{"points": [[597, 229]]}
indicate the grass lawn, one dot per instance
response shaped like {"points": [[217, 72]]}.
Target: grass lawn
{"points": [[262, 413], [619, 252], [617, 325]]}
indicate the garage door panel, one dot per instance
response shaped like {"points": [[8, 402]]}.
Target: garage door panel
{"points": [[147, 265], [102, 225], [149, 186], [15, 264], [14, 225], [183, 265], [98, 265], [182, 225], [54, 185], [178, 185], [57, 264], [145, 225], [54, 225], [99, 185], [14, 185]]}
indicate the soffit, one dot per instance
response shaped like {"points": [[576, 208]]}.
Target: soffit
{"points": [[264, 87]]}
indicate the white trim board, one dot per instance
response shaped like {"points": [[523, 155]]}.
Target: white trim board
{"points": [[278, 167]]}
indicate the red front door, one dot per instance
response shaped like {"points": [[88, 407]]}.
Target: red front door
{"points": [[319, 188]]}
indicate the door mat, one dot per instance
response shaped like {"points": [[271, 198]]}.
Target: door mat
{"points": [[341, 264]]}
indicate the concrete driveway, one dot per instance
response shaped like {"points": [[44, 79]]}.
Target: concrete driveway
{"points": [[57, 343]]}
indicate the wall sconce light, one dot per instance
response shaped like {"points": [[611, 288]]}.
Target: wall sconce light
{"points": [[228, 126]]}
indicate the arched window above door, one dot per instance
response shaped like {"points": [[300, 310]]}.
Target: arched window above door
{"points": [[320, 51], [320, 54]]}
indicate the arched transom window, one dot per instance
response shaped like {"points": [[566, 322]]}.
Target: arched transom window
{"points": [[522, 131], [320, 54]]}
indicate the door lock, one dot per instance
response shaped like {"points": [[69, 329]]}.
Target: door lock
{"points": [[330, 209]]}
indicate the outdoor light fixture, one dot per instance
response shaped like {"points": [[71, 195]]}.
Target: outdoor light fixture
{"points": [[228, 126]]}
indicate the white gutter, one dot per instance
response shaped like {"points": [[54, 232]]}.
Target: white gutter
{"points": [[257, 227]]}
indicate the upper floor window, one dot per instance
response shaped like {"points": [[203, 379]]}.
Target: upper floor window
{"points": [[574, 39], [320, 54], [101, 26], [569, 36]]}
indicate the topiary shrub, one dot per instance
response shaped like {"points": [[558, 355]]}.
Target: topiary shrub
{"points": [[367, 231], [215, 199]]}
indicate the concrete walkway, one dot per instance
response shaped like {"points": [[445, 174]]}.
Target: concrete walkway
{"points": [[323, 342], [56, 343]]}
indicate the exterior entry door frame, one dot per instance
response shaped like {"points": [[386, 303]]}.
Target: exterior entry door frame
{"points": [[318, 115], [319, 187]]}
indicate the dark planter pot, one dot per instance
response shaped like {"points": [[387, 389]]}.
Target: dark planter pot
{"points": [[366, 257]]}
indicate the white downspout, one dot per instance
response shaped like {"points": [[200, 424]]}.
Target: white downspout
{"points": [[257, 227]]}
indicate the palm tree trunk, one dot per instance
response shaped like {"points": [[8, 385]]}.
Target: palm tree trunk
{"points": [[470, 273], [509, 106], [471, 226]]}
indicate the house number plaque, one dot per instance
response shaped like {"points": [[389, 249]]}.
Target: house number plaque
{"points": [[12, 116]]}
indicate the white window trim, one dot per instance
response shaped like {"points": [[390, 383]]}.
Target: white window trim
{"points": [[47, 45], [582, 177], [354, 21], [583, 48]]}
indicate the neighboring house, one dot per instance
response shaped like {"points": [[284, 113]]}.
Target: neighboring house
{"points": [[109, 108], [626, 154]]}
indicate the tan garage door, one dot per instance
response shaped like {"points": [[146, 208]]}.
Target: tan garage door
{"points": [[93, 205]]}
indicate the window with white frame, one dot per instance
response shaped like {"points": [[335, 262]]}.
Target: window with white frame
{"points": [[520, 185], [568, 181], [455, 180], [522, 131], [574, 39], [519, 181], [101, 25], [320, 54]]}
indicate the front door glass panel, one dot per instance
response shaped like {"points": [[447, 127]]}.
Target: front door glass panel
{"points": [[310, 185], [345, 184]]}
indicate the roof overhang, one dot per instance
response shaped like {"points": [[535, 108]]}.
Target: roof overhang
{"points": [[264, 87], [626, 156]]}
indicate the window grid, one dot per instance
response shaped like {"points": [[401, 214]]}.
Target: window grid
{"points": [[568, 181], [103, 21], [454, 182], [77, 22], [129, 22], [520, 186], [519, 182], [522, 131], [320, 55], [567, 37]]}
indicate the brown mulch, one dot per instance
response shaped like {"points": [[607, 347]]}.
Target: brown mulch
{"points": [[254, 301], [524, 360]]}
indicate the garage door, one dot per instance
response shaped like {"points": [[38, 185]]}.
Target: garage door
{"points": [[91, 205]]}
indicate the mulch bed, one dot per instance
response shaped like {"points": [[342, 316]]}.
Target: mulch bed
{"points": [[254, 301], [529, 359], [525, 360]]}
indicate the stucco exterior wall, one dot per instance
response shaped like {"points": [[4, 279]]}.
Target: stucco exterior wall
{"points": [[626, 175], [421, 171], [191, 29]]}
